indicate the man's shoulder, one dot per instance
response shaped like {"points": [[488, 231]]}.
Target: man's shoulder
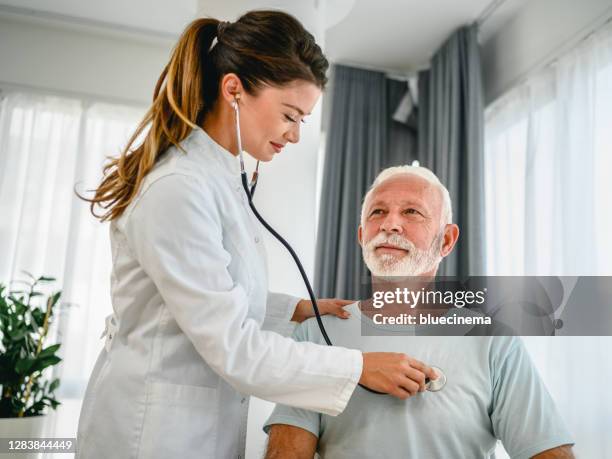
{"points": [[309, 329]]}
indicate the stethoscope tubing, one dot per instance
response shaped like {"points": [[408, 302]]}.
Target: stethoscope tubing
{"points": [[250, 191], [296, 259]]}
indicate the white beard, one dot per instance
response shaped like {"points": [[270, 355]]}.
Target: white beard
{"points": [[414, 263]]}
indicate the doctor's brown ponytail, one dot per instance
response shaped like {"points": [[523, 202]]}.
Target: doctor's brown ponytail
{"points": [[262, 47]]}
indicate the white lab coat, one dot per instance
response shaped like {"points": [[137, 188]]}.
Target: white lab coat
{"points": [[190, 335]]}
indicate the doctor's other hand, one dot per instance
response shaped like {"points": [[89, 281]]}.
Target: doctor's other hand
{"points": [[395, 374], [333, 306]]}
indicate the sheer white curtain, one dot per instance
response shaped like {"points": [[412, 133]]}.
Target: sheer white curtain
{"points": [[548, 163], [549, 169], [47, 145], [38, 151]]}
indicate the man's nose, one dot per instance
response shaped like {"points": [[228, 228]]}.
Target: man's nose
{"points": [[392, 224]]}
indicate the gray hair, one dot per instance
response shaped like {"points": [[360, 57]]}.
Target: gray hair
{"points": [[447, 211]]}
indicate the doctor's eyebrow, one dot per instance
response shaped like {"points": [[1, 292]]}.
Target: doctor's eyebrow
{"points": [[298, 109]]}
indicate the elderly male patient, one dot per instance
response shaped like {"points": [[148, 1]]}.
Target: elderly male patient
{"points": [[492, 389]]}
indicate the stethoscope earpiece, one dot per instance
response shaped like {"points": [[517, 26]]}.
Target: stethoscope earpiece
{"points": [[235, 102]]}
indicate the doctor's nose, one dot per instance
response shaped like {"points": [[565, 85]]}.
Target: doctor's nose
{"points": [[392, 224], [293, 135]]}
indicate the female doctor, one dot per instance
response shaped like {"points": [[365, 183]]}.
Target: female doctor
{"points": [[194, 330]]}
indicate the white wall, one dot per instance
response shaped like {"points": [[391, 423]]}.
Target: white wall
{"points": [[69, 59], [161, 15], [538, 31]]}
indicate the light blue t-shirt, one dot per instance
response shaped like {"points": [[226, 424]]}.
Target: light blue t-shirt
{"points": [[493, 391]]}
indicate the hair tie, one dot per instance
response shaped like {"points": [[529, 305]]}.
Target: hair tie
{"points": [[221, 27]]}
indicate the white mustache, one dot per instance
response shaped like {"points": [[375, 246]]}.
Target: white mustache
{"points": [[394, 239]]}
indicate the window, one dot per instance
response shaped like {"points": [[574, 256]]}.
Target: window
{"points": [[47, 146], [548, 169]]}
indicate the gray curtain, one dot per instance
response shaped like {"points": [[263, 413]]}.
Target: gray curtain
{"points": [[451, 142], [402, 146], [362, 139]]}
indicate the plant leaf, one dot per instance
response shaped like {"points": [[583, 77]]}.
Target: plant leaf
{"points": [[45, 362], [55, 297], [49, 351], [46, 279], [24, 366], [54, 385]]}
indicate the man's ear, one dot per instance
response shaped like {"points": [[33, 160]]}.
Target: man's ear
{"points": [[360, 235], [451, 234]]}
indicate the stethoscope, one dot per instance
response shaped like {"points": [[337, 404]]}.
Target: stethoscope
{"points": [[249, 189]]}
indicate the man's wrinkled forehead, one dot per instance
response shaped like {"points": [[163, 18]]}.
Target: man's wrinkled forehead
{"points": [[408, 188]]}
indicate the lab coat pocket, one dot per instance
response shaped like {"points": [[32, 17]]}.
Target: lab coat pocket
{"points": [[180, 421]]}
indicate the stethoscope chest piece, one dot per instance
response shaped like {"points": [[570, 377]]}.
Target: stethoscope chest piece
{"points": [[436, 385]]}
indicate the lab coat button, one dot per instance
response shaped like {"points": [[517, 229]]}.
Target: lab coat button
{"points": [[243, 400], [256, 240]]}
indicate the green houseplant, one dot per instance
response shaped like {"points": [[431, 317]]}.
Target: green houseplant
{"points": [[25, 317]]}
